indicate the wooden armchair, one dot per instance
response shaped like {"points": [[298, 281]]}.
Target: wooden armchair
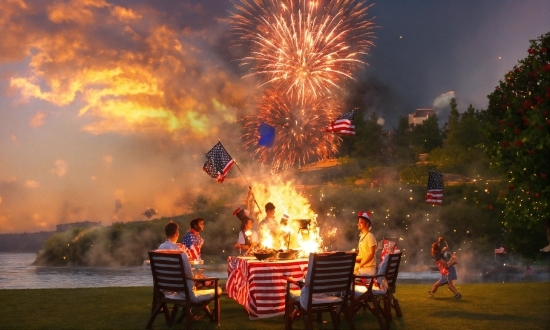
{"points": [[173, 284], [379, 299], [326, 289]]}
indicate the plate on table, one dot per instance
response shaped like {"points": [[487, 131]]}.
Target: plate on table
{"points": [[264, 256]]}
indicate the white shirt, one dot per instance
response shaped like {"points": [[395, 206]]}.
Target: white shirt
{"points": [[253, 237]]}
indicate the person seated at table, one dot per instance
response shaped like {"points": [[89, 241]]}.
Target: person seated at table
{"points": [[248, 237], [172, 232], [365, 262]]}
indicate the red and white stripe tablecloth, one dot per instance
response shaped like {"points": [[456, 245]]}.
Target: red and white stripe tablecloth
{"points": [[260, 286]]}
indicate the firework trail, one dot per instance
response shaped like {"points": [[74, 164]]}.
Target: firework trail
{"points": [[305, 47], [300, 128]]}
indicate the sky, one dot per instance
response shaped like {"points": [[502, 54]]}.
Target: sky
{"points": [[108, 107]]}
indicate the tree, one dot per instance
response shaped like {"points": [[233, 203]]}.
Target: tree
{"points": [[401, 142], [426, 136], [519, 136], [463, 151], [369, 142]]}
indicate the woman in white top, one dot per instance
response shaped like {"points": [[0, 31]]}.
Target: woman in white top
{"points": [[248, 237]]}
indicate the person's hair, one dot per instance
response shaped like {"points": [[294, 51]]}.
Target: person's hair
{"points": [[171, 229], [195, 222], [269, 206], [367, 220], [244, 222], [435, 249]]}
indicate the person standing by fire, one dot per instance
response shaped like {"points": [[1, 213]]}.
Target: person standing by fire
{"points": [[269, 225], [365, 262], [193, 240]]}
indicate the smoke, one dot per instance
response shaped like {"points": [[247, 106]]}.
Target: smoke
{"points": [[149, 94], [378, 97], [443, 100], [150, 212], [442, 106]]}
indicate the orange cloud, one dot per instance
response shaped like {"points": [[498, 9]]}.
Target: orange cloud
{"points": [[32, 184], [37, 120], [60, 168], [154, 79]]}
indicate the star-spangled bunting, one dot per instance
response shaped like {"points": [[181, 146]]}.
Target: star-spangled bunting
{"points": [[218, 162], [344, 124], [434, 195]]}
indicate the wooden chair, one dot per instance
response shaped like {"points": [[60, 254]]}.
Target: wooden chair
{"points": [[326, 289], [378, 299], [173, 284]]}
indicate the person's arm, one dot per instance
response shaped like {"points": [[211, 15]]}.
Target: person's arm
{"points": [[240, 241], [249, 200], [369, 257], [447, 264]]}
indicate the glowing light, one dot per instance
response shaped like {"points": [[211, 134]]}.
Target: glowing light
{"points": [[300, 131], [306, 48]]}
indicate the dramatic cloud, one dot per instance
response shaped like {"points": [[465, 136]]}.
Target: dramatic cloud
{"points": [[129, 95]]}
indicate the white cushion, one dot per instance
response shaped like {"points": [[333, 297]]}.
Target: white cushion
{"points": [[197, 296], [362, 289]]}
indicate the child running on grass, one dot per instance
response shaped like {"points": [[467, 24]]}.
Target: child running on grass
{"points": [[447, 277]]}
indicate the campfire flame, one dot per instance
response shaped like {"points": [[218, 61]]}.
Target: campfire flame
{"points": [[289, 201]]}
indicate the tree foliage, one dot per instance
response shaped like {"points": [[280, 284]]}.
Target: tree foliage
{"points": [[519, 136], [463, 152]]}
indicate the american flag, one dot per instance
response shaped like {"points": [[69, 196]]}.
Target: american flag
{"points": [[344, 124], [194, 252], [218, 162], [434, 195]]}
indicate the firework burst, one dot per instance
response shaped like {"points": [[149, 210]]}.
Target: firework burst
{"points": [[300, 129], [305, 47]]}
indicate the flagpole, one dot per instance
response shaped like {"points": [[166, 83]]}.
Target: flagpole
{"points": [[249, 186]]}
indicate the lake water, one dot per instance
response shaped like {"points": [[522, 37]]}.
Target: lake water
{"points": [[18, 272]]}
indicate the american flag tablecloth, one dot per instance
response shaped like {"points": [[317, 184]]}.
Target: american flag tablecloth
{"points": [[260, 286]]}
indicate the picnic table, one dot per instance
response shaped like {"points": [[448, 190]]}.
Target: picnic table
{"points": [[260, 286]]}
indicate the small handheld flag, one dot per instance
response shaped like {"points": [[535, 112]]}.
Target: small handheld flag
{"points": [[267, 135], [218, 162], [344, 124], [434, 195]]}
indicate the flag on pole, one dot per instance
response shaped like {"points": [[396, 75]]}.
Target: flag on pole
{"points": [[218, 162], [344, 124], [434, 195], [267, 135]]}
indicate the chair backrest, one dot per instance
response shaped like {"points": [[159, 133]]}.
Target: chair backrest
{"points": [[392, 269], [169, 271], [330, 273]]}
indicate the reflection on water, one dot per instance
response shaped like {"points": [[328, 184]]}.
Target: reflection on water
{"points": [[17, 272]]}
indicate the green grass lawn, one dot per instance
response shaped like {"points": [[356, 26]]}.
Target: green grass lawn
{"points": [[483, 306]]}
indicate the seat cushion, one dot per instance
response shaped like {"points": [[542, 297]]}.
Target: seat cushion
{"points": [[197, 296], [362, 289], [315, 299]]}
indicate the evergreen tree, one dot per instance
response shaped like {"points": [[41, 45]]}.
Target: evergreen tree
{"points": [[519, 137]]}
